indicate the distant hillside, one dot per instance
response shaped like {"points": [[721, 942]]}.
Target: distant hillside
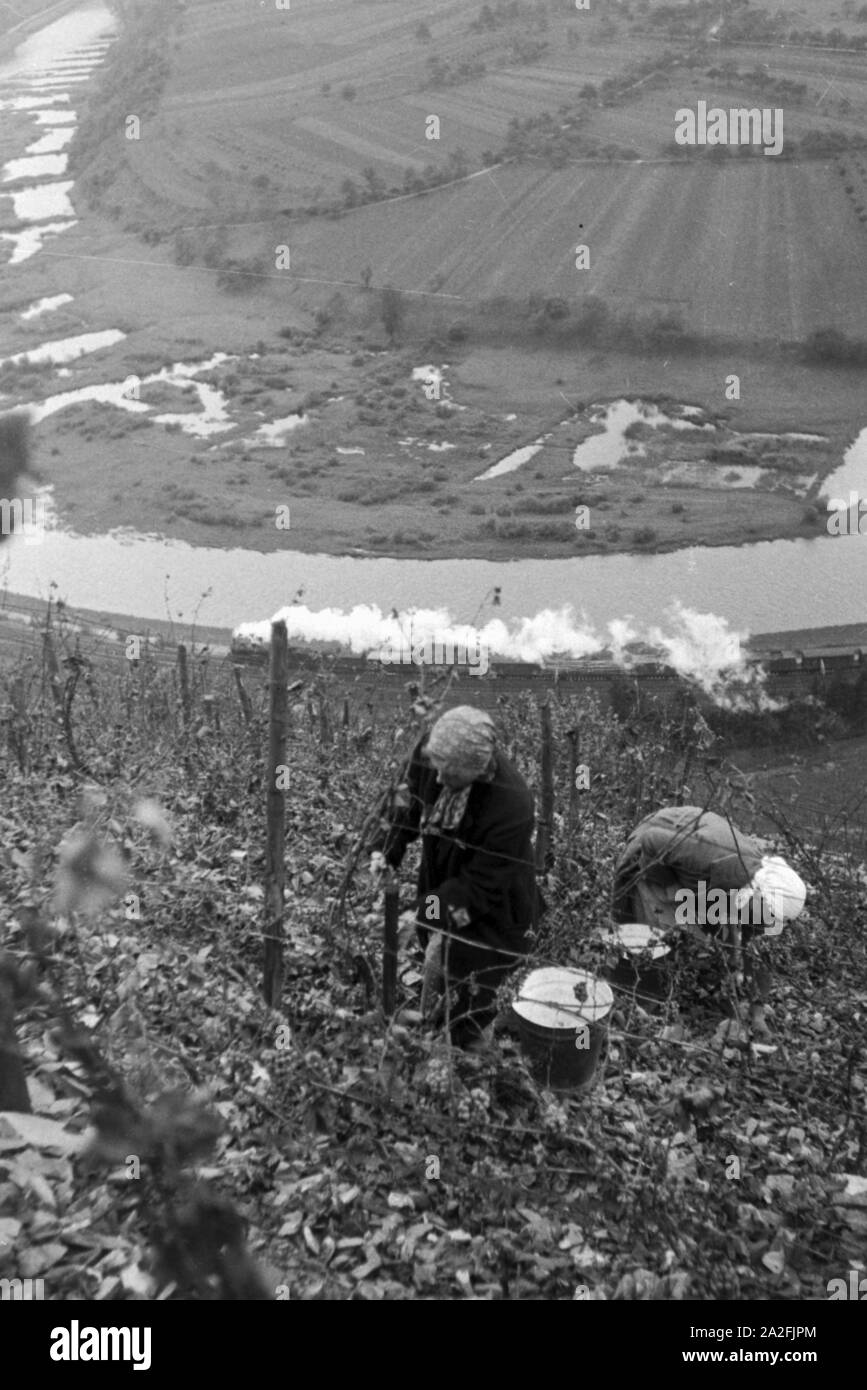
{"points": [[280, 126], [803, 638]]}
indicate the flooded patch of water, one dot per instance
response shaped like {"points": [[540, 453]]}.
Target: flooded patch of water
{"points": [[602, 452], [67, 349], [611, 447], [212, 417], [45, 306], [110, 393], [30, 103], [52, 140], [852, 476], [55, 117], [275, 434], [805, 438], [607, 449], [42, 201], [26, 244], [435, 448], [514, 460], [190, 369], [348, 451]]}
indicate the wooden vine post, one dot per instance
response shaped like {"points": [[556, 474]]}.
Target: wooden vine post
{"points": [[184, 673], [546, 809], [573, 737], [53, 668], [246, 706], [275, 777], [389, 954]]}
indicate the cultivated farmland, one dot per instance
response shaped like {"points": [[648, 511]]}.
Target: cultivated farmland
{"points": [[286, 110], [754, 250], [302, 99]]}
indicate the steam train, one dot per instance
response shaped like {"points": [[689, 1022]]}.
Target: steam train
{"points": [[808, 664]]}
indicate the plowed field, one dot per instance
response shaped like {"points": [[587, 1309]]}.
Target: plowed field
{"points": [[762, 249]]}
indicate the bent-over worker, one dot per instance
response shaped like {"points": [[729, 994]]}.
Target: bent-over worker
{"points": [[685, 869]]}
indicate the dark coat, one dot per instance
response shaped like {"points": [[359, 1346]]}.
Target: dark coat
{"points": [[485, 865], [679, 847]]}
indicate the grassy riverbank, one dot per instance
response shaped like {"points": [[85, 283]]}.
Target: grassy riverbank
{"points": [[377, 467]]}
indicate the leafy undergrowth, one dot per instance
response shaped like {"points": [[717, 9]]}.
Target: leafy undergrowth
{"points": [[366, 1159]]}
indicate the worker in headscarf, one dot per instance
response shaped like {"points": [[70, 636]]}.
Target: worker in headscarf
{"points": [[685, 869], [477, 894]]}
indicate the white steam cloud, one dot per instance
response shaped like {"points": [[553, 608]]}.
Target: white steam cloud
{"points": [[701, 647]]}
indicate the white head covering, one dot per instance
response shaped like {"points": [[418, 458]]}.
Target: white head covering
{"points": [[783, 892]]}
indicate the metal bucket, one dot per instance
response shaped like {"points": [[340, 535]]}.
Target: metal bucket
{"points": [[640, 967], [562, 1019]]}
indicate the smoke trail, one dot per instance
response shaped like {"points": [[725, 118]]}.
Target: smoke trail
{"points": [[366, 628], [700, 647], [704, 650]]}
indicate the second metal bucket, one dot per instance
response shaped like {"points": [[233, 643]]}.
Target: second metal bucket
{"points": [[641, 965]]}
